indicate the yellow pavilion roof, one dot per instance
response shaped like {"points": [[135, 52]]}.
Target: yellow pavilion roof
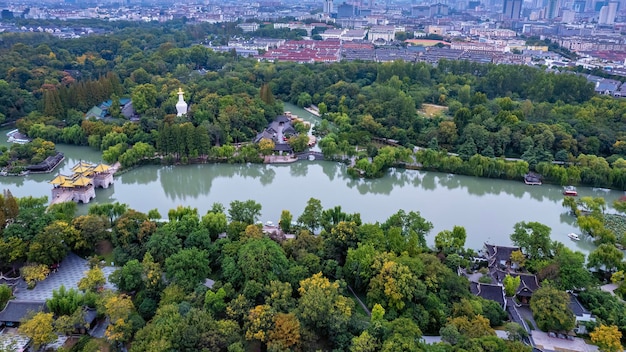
{"points": [[67, 184], [81, 181], [83, 175], [59, 180], [101, 168]]}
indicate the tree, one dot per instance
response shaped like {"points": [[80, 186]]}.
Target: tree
{"points": [[259, 321], [571, 274], [551, 310], [285, 221], [476, 327], [188, 268], [534, 239], [270, 262], [39, 328], [606, 256], [119, 309], [511, 283], [51, 245], [247, 212], [129, 277], [92, 228], [321, 305], [144, 97], [215, 222], [93, 280], [266, 146], [515, 332], [451, 241], [518, 258], [164, 243], [608, 338], [64, 302], [393, 287], [152, 274], [312, 215], [33, 273], [364, 343], [5, 295], [450, 334], [214, 301]]}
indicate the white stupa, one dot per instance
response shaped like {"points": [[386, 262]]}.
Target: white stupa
{"points": [[181, 106]]}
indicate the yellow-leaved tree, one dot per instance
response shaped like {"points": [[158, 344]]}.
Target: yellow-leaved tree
{"points": [[607, 337], [39, 328], [93, 280], [33, 273]]}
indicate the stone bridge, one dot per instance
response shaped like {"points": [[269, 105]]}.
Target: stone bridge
{"points": [[310, 155]]}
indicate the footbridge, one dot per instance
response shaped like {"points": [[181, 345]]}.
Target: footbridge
{"points": [[310, 155]]}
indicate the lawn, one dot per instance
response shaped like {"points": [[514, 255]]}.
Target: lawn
{"points": [[432, 110]]}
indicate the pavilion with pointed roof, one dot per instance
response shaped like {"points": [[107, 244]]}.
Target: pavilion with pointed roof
{"points": [[80, 186]]}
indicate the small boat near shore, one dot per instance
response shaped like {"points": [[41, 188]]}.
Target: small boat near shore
{"points": [[573, 236], [570, 191], [533, 179]]}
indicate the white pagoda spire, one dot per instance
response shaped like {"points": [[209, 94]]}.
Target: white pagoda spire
{"points": [[181, 106]]}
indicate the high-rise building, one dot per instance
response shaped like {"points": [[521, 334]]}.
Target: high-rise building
{"points": [[345, 11], [608, 13], [552, 10], [328, 7], [512, 9], [579, 6], [569, 16]]}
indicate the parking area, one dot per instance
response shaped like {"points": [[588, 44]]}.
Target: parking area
{"points": [[547, 343]]}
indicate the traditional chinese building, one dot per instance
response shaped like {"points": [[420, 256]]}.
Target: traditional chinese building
{"points": [[81, 185]]}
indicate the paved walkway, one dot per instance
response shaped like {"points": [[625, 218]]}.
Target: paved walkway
{"points": [[547, 343], [71, 270]]}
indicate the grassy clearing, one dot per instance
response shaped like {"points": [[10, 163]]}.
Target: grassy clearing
{"points": [[432, 110]]}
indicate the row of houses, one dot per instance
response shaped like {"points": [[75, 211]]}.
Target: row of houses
{"points": [[500, 265]]}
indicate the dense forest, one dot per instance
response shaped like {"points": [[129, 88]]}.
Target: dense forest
{"points": [[551, 122], [335, 284]]}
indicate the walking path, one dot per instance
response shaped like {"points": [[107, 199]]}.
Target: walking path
{"points": [[360, 302]]}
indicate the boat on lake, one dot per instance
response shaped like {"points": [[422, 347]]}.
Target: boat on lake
{"points": [[533, 179], [573, 236], [570, 191]]}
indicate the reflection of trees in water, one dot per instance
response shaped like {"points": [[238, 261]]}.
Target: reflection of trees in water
{"points": [[381, 185], [568, 218], [330, 169], [299, 168], [267, 176], [193, 181], [142, 175], [10, 181], [450, 181], [106, 195], [428, 181]]}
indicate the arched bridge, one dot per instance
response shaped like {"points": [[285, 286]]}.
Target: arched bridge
{"points": [[310, 155]]}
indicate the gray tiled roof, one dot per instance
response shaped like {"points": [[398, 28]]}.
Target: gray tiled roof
{"points": [[15, 311], [576, 307]]}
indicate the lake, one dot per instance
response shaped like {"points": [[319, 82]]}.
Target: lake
{"points": [[487, 208]]}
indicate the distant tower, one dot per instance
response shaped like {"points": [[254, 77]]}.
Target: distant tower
{"points": [[607, 13], [328, 7], [552, 10], [512, 9], [181, 106]]}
